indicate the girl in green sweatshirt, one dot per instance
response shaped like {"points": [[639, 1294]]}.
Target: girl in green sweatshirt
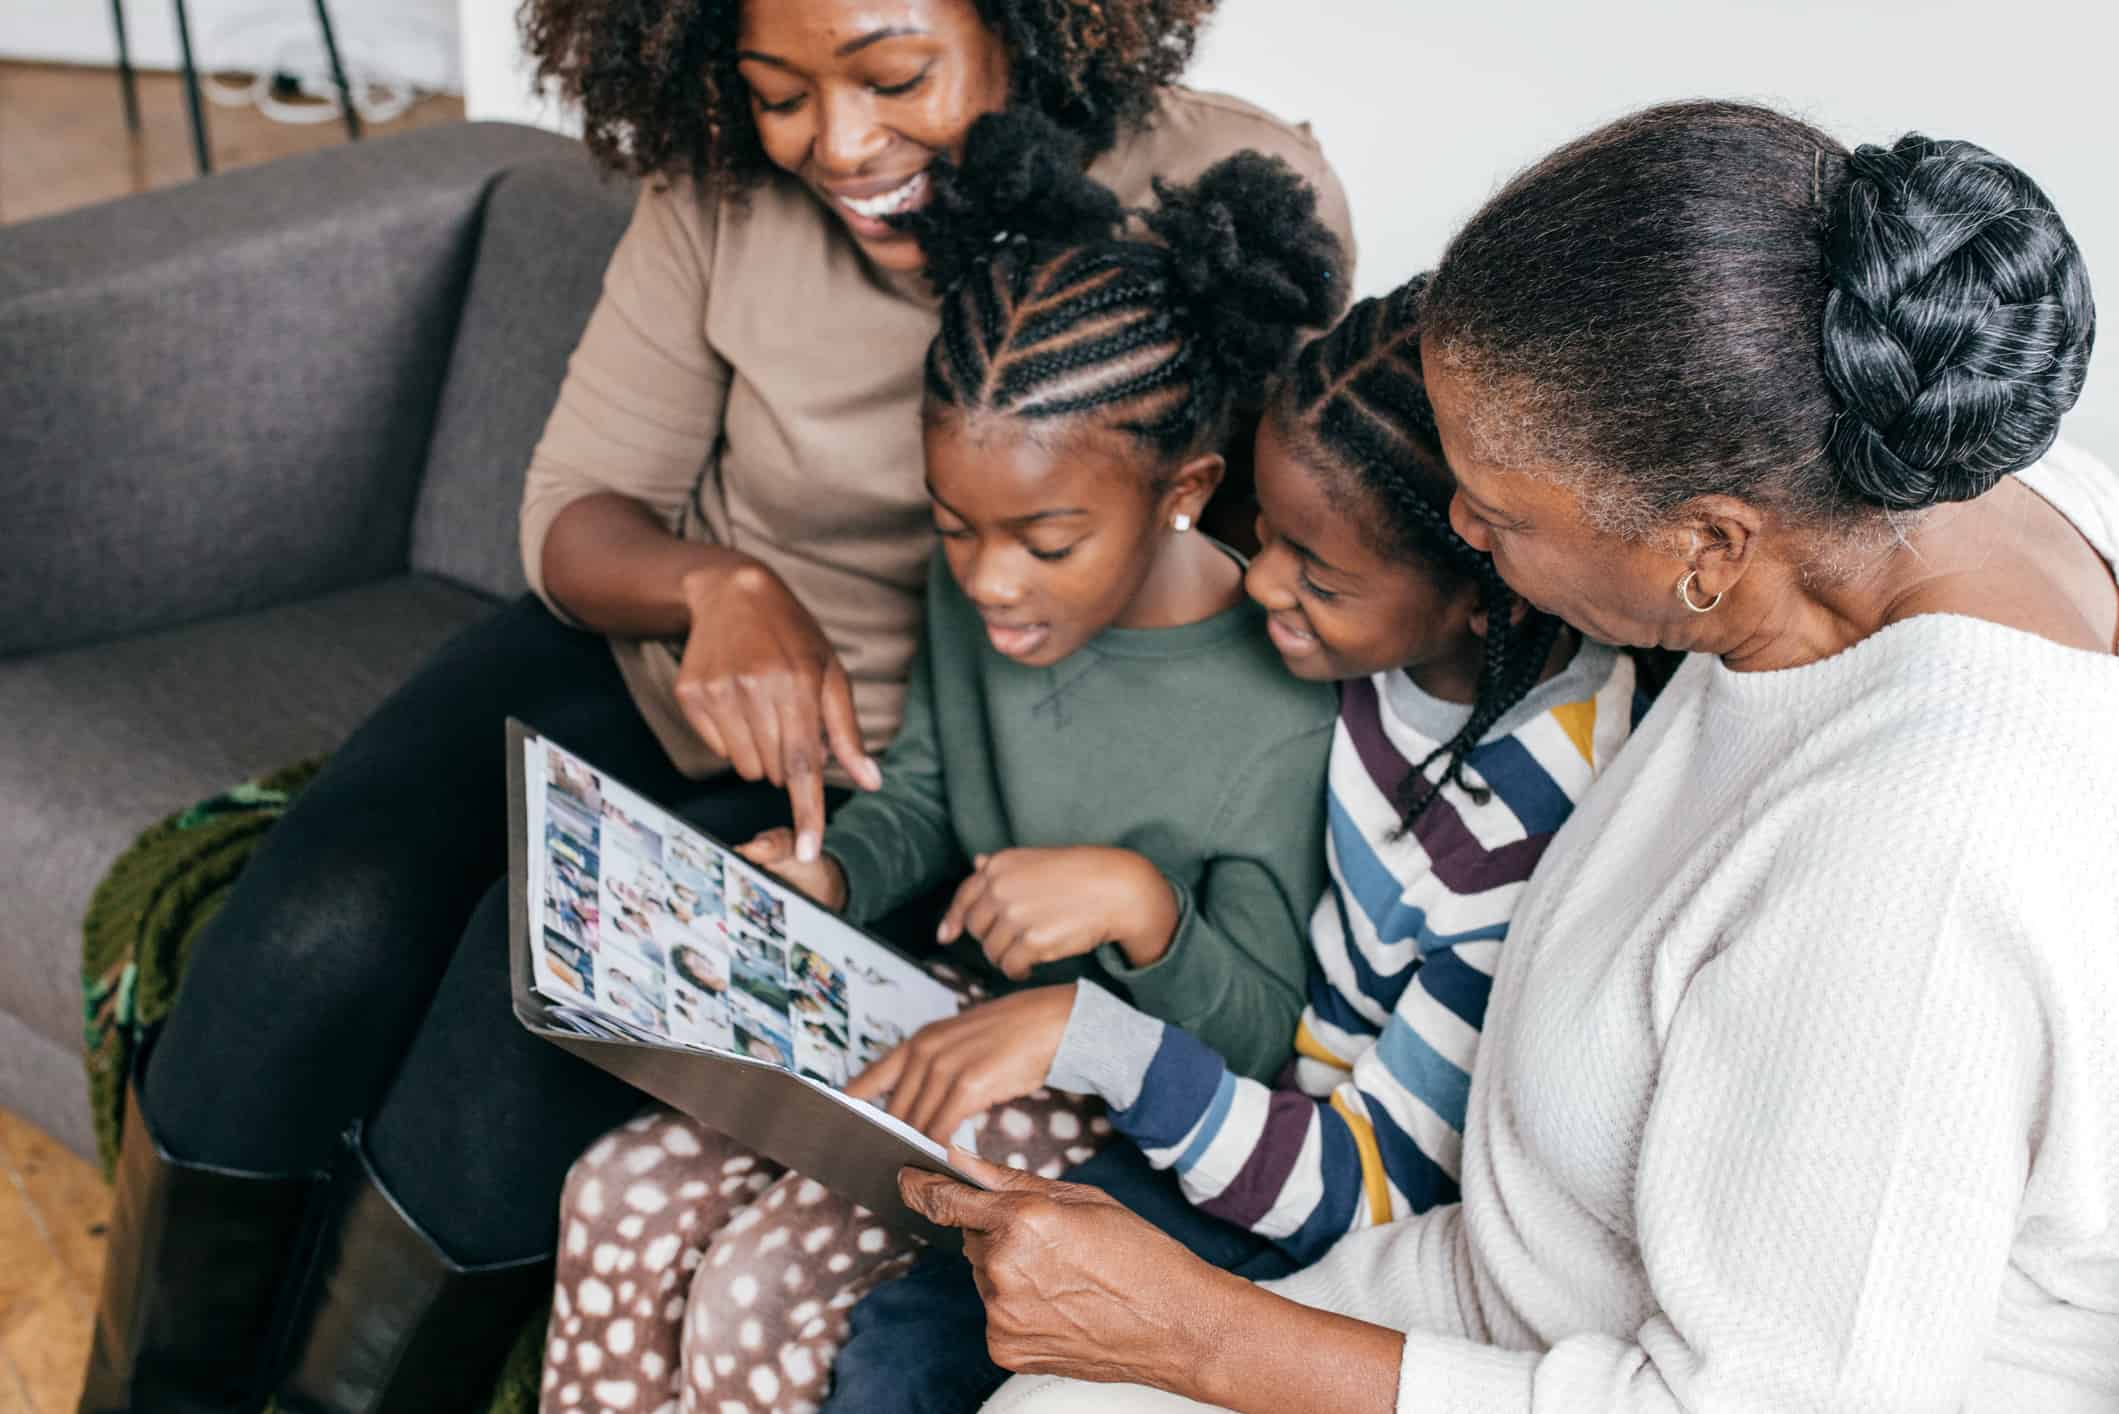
{"points": [[1099, 741], [1098, 732]]}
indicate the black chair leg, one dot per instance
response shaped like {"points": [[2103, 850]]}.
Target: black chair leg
{"points": [[338, 73], [199, 147], [128, 82]]}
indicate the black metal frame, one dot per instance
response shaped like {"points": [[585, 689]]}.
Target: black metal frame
{"points": [[201, 149]]}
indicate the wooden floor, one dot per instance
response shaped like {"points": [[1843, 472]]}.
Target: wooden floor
{"points": [[52, 1210], [64, 143]]}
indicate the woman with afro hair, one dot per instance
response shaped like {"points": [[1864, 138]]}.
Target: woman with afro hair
{"points": [[345, 1156]]}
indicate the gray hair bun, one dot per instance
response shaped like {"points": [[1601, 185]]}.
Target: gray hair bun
{"points": [[1958, 327]]}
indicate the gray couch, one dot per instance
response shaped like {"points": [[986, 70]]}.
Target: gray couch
{"points": [[261, 443]]}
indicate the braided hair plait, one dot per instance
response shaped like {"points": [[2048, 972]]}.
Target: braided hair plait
{"points": [[1052, 308], [1357, 397], [1958, 325]]}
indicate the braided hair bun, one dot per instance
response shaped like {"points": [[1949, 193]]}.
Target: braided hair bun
{"points": [[1253, 262], [1958, 323]]}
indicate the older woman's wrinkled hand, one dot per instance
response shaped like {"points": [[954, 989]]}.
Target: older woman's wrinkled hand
{"points": [[1074, 1283]]}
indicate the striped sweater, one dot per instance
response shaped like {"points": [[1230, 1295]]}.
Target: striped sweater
{"points": [[1367, 1125]]}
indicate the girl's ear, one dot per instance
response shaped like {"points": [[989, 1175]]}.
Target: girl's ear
{"points": [[1190, 487], [1478, 618]]}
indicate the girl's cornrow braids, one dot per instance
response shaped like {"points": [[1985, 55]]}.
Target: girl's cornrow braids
{"points": [[1170, 430], [1065, 316], [1104, 348], [1095, 347], [1360, 392], [1109, 325], [1513, 662], [1416, 791]]}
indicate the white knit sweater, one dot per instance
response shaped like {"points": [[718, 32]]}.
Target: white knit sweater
{"points": [[1800, 1086]]}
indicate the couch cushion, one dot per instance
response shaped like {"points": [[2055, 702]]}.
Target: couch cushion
{"points": [[105, 741], [546, 236]]}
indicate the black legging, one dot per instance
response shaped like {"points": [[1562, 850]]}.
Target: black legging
{"points": [[360, 967]]}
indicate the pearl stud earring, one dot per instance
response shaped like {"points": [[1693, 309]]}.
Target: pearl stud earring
{"points": [[1180, 522]]}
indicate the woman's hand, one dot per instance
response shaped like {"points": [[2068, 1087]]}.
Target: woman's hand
{"points": [[1029, 906], [1076, 1285], [950, 1070], [761, 685], [821, 878]]}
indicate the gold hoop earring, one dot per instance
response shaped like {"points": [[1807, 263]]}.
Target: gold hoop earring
{"points": [[1685, 595]]}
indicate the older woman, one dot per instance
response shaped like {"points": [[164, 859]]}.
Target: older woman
{"points": [[727, 528], [1798, 1085]]}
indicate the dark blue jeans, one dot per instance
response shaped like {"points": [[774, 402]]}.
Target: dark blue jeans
{"points": [[917, 1345]]}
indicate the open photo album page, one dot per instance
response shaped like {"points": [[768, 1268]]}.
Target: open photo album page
{"points": [[649, 925]]}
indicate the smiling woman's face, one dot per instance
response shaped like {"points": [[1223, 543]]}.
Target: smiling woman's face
{"points": [[856, 98]]}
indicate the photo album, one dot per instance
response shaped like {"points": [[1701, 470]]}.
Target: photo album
{"points": [[658, 953]]}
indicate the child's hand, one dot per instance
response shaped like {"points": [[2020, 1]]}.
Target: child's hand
{"points": [[821, 878], [950, 1070], [1027, 906]]}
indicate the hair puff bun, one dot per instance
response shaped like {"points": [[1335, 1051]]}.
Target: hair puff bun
{"points": [[1023, 177], [1958, 326], [1253, 261]]}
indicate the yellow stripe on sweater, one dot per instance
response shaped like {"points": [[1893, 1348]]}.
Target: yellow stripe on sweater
{"points": [[1307, 1044], [1373, 1181], [1579, 721]]}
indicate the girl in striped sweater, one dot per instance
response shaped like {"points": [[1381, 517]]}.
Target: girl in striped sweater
{"points": [[1469, 725]]}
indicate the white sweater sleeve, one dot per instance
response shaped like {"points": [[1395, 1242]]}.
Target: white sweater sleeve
{"points": [[1832, 1162]]}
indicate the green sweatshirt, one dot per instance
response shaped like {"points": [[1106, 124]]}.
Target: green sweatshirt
{"points": [[1191, 745]]}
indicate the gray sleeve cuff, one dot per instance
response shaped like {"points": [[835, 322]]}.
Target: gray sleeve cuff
{"points": [[1107, 1048]]}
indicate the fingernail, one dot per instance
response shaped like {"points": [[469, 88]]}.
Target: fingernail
{"points": [[871, 773], [806, 849]]}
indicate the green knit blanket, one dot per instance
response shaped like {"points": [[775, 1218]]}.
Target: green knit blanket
{"points": [[136, 939]]}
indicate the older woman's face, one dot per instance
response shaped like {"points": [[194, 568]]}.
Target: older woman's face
{"points": [[856, 98], [1614, 589]]}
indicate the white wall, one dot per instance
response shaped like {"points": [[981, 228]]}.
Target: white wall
{"points": [[499, 78], [414, 40], [1424, 108]]}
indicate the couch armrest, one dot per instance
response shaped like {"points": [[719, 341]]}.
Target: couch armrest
{"points": [[549, 231], [219, 396]]}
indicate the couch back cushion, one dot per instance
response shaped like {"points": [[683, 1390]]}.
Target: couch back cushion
{"points": [[548, 232], [220, 396]]}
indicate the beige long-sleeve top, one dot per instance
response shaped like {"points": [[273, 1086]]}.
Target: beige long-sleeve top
{"points": [[753, 381]]}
